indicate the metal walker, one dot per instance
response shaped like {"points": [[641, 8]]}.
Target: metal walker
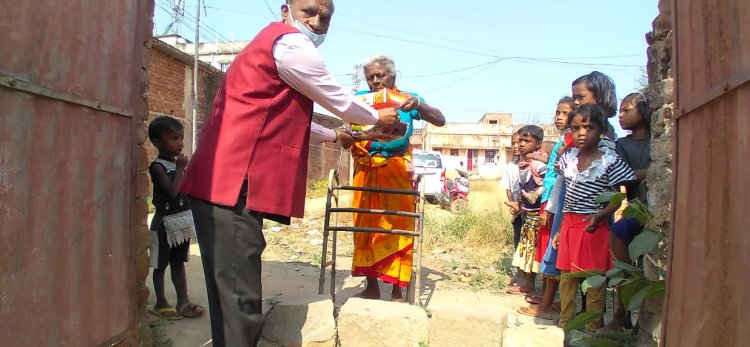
{"points": [[333, 189]]}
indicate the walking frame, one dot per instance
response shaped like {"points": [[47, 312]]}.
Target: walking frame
{"points": [[413, 296]]}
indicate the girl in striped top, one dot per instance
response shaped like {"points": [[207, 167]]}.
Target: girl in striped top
{"points": [[583, 241]]}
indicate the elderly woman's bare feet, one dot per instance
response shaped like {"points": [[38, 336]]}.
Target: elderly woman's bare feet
{"points": [[396, 295], [368, 294], [372, 290]]}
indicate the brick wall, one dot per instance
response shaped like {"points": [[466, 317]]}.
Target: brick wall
{"points": [[659, 178], [170, 92], [326, 156]]}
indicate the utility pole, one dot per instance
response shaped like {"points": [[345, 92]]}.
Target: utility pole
{"points": [[355, 78], [194, 119]]}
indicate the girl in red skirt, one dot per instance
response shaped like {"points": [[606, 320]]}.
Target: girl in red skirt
{"points": [[583, 241]]}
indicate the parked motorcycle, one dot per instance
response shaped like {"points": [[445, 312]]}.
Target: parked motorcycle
{"points": [[455, 194]]}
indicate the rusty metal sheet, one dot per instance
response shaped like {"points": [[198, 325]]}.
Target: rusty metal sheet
{"points": [[713, 45], [72, 74], [83, 47], [710, 246]]}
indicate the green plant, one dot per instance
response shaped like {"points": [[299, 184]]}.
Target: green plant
{"points": [[317, 189], [315, 259], [479, 279], [633, 286], [489, 228]]}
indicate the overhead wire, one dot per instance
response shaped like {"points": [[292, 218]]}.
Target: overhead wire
{"points": [[565, 61], [270, 10], [480, 53], [401, 30], [205, 27], [466, 77]]}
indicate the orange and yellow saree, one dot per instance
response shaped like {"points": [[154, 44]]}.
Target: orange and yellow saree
{"points": [[384, 256]]}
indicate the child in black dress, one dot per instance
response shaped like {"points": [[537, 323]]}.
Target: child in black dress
{"points": [[172, 226]]}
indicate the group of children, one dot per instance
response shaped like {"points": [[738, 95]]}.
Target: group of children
{"points": [[559, 227]]}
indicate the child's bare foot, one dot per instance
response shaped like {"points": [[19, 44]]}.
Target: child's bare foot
{"points": [[191, 310], [518, 290], [167, 312], [534, 311]]}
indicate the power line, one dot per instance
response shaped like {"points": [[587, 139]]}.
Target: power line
{"points": [[480, 53], [191, 17], [401, 30], [235, 11], [270, 10], [466, 77], [454, 71]]}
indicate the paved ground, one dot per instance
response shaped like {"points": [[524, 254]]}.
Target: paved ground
{"points": [[283, 279]]}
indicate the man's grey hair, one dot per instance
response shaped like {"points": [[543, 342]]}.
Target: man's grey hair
{"points": [[382, 59]]}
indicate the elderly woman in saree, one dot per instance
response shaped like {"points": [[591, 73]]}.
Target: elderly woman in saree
{"points": [[378, 256]]}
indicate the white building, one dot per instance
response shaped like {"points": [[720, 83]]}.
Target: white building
{"points": [[218, 54]]}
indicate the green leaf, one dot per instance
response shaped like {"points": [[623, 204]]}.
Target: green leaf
{"points": [[614, 272], [611, 197], [643, 243], [581, 319], [634, 212], [636, 300], [593, 282], [630, 288], [582, 274], [599, 342], [662, 272], [640, 206], [656, 288], [626, 266], [615, 281]]}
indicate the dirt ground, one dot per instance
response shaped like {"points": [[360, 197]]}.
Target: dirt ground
{"points": [[291, 268]]}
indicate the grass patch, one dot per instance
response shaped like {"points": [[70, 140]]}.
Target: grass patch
{"points": [[487, 229], [317, 189]]}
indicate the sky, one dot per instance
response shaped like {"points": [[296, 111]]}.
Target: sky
{"points": [[464, 57]]}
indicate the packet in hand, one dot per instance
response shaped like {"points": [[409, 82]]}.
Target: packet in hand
{"points": [[384, 98], [375, 133], [379, 100]]}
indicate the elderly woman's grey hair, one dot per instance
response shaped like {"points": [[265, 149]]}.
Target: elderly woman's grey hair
{"points": [[382, 59]]}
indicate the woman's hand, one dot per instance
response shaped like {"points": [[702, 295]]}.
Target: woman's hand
{"points": [[546, 218], [387, 118], [412, 103], [556, 241], [595, 219], [344, 138]]}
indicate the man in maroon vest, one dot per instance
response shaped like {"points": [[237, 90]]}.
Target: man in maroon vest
{"points": [[251, 160]]}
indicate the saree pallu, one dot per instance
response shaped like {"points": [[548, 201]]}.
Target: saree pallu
{"points": [[384, 256]]}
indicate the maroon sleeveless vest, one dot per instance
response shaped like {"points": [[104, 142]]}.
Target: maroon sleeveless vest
{"points": [[259, 129]]}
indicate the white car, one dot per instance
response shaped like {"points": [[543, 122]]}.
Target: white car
{"points": [[430, 166]]}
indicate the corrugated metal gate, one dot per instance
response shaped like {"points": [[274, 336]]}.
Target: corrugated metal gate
{"points": [[71, 79], [709, 283]]}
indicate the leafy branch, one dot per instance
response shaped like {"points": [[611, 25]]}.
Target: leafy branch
{"points": [[633, 286]]}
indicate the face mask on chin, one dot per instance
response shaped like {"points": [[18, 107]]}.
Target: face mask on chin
{"points": [[317, 39]]}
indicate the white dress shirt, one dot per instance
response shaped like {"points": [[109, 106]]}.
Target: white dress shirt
{"points": [[300, 65]]}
